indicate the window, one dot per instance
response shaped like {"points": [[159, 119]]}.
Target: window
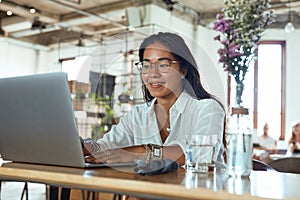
{"points": [[77, 68], [264, 92], [269, 88]]}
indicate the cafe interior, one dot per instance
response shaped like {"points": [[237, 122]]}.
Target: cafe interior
{"points": [[95, 42]]}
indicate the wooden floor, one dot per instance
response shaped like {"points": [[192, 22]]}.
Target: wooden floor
{"points": [[13, 190]]}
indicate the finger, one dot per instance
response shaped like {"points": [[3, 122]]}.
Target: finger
{"points": [[89, 160], [94, 160], [102, 157], [108, 156]]}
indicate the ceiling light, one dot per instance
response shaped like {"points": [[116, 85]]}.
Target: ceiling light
{"points": [[37, 24], [80, 43], [32, 10], [9, 12], [289, 27]]}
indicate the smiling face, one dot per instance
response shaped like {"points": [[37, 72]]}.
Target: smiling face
{"points": [[163, 85]]}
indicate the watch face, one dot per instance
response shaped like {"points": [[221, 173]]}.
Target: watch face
{"points": [[157, 152]]}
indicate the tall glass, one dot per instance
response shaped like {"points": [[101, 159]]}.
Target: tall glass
{"points": [[200, 152]]}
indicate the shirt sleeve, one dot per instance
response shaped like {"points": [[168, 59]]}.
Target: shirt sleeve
{"points": [[119, 136], [134, 128]]}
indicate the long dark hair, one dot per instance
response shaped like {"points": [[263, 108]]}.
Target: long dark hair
{"points": [[177, 47], [192, 82]]}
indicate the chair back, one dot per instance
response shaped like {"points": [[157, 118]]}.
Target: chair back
{"points": [[258, 165], [287, 165]]}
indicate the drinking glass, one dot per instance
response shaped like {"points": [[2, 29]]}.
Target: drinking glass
{"points": [[200, 151]]}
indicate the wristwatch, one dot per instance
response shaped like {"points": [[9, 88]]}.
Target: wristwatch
{"points": [[153, 151]]}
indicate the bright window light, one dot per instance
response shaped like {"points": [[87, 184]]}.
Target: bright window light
{"points": [[77, 69]]}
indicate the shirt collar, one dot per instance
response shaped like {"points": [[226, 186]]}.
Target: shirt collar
{"points": [[181, 102], [151, 106]]}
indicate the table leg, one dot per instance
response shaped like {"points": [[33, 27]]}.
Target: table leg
{"points": [[54, 193]]}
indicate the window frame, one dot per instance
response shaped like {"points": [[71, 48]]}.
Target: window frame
{"points": [[282, 43]]}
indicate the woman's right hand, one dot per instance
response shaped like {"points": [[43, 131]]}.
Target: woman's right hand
{"points": [[86, 150], [128, 154], [90, 146]]}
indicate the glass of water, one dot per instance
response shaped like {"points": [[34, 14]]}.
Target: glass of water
{"points": [[200, 152]]}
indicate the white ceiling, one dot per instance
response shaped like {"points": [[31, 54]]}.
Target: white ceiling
{"points": [[65, 21]]}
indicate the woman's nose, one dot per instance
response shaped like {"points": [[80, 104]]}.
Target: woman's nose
{"points": [[154, 70]]}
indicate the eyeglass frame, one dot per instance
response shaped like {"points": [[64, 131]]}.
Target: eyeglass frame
{"points": [[137, 64]]}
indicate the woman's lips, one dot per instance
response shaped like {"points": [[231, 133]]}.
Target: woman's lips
{"points": [[155, 85]]}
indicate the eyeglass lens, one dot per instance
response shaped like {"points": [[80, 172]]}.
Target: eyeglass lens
{"points": [[161, 65]]}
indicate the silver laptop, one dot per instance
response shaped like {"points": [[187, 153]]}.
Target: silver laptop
{"points": [[37, 123]]}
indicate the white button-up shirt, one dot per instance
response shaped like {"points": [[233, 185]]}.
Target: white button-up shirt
{"points": [[187, 115]]}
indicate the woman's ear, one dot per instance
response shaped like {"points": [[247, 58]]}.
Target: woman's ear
{"points": [[183, 72]]}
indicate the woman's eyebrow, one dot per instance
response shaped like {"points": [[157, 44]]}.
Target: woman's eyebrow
{"points": [[163, 58]]}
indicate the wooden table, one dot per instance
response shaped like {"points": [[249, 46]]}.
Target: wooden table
{"points": [[177, 185]]}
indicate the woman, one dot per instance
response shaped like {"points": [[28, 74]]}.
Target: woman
{"points": [[294, 141], [265, 141], [176, 104]]}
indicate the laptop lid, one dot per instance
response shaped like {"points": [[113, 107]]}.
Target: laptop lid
{"points": [[37, 123]]}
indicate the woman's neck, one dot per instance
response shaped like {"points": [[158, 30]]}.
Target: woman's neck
{"points": [[167, 102], [163, 121]]}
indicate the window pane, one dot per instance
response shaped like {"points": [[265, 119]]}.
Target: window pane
{"points": [[269, 88]]}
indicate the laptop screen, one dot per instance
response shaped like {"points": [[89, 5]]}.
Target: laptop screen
{"points": [[37, 121]]}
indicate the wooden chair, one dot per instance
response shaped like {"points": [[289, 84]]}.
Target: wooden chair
{"points": [[287, 165]]}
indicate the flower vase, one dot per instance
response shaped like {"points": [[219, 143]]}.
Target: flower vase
{"points": [[239, 143], [239, 93]]}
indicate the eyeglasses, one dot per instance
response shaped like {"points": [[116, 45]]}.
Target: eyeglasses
{"points": [[162, 66]]}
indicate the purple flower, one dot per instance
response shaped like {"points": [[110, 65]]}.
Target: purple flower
{"points": [[224, 41], [241, 25], [219, 16], [218, 37], [221, 59], [221, 51], [225, 67]]}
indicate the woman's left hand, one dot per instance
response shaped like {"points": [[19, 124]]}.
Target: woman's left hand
{"points": [[128, 154]]}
